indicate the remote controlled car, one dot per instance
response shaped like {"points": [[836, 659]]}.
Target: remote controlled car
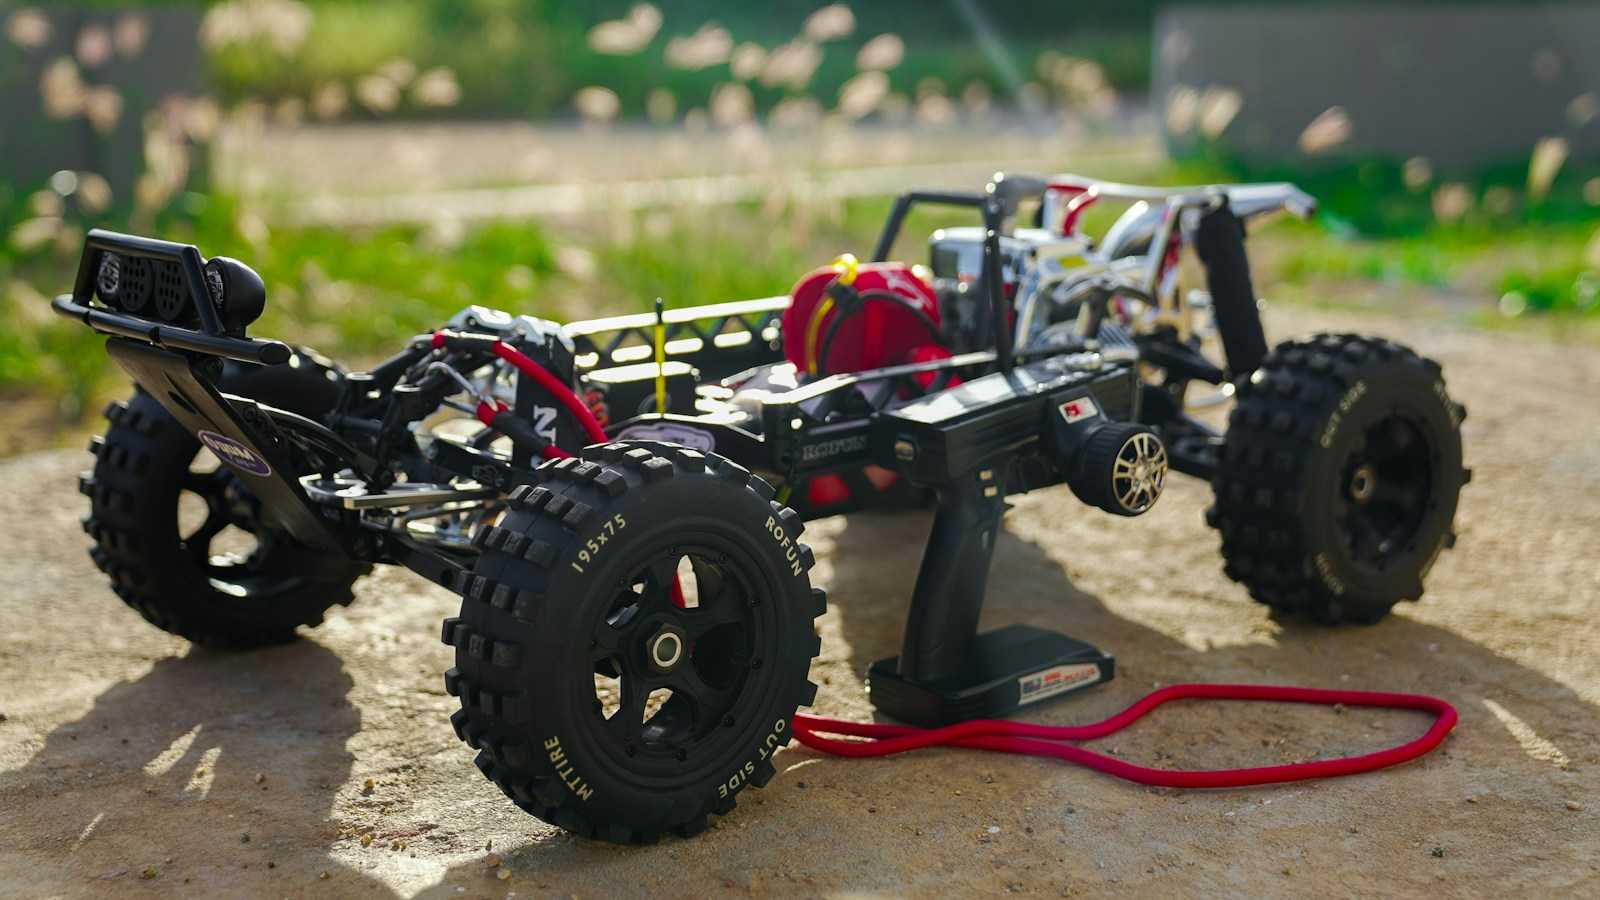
{"points": [[620, 502]]}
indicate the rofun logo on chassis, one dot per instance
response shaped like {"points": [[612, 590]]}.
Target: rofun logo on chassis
{"points": [[235, 453]]}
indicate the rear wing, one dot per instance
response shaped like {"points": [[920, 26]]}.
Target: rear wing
{"points": [[155, 292]]}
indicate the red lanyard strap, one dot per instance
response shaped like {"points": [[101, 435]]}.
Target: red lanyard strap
{"points": [[1045, 740]]}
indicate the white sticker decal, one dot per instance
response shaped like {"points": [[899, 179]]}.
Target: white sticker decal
{"points": [[1078, 409], [671, 433], [1056, 680]]}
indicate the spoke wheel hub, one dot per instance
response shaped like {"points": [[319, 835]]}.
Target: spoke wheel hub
{"points": [[677, 654], [1387, 491]]}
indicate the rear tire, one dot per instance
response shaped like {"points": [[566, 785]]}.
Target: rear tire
{"points": [[1338, 478], [570, 631], [171, 574]]}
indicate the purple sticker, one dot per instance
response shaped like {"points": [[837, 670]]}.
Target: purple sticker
{"points": [[235, 454]]}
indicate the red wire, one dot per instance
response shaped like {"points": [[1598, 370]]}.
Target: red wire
{"points": [[1044, 740]]}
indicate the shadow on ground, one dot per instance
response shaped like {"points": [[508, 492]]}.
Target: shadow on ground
{"points": [[205, 726]]}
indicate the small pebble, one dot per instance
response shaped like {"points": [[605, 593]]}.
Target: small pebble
{"points": [[993, 829], [1339, 708], [800, 784], [368, 788], [503, 875], [366, 840], [147, 873], [3, 717], [492, 860], [1574, 806], [261, 777], [244, 838], [324, 876], [1437, 853], [872, 809]]}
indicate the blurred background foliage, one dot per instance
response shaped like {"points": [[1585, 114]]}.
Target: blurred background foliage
{"points": [[735, 87]]}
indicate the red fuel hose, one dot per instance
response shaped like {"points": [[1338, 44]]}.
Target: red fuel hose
{"points": [[1046, 740], [491, 416], [561, 392]]}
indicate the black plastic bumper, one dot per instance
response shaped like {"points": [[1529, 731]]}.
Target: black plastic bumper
{"points": [[250, 350]]}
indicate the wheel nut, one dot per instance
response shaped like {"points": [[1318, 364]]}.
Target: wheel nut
{"points": [[1363, 484], [665, 649]]}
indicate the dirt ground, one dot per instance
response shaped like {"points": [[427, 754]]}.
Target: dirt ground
{"points": [[131, 764]]}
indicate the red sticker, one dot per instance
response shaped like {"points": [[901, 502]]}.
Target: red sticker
{"points": [[1078, 409]]}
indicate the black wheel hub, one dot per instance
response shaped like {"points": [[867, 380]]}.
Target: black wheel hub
{"points": [[676, 654], [233, 548], [227, 504], [1386, 491]]}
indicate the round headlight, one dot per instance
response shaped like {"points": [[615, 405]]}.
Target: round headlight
{"points": [[236, 291], [108, 281]]}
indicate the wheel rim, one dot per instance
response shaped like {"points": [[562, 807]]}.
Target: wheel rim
{"points": [[1385, 491], [1140, 472], [670, 681], [229, 545]]}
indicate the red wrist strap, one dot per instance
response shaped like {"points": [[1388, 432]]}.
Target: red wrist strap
{"points": [[1046, 740]]}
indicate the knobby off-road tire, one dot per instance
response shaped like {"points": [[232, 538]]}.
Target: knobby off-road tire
{"points": [[570, 622], [143, 466], [1337, 484]]}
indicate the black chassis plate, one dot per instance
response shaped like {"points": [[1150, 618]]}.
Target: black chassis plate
{"points": [[251, 451]]}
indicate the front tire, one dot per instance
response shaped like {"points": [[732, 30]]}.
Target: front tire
{"points": [[1338, 478], [188, 578], [634, 641]]}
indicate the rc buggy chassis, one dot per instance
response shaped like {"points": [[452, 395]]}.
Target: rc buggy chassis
{"points": [[620, 502]]}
